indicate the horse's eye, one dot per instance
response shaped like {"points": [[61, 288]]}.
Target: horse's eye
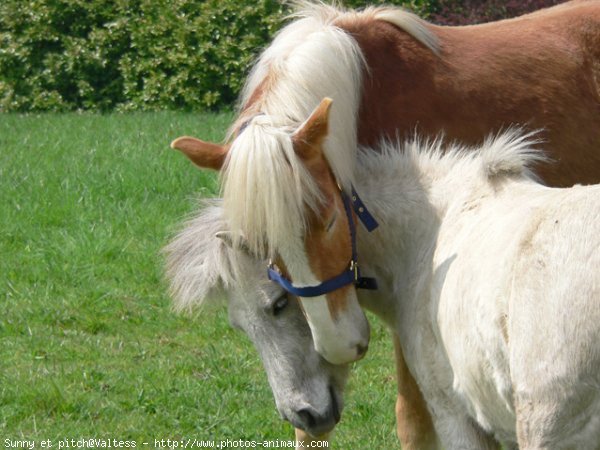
{"points": [[279, 305]]}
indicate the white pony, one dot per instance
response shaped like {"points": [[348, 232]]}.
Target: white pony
{"points": [[492, 282]]}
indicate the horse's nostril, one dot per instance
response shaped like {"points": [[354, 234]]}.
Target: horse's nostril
{"points": [[308, 417]]}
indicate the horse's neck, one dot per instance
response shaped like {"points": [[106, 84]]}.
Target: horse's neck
{"points": [[409, 201]]}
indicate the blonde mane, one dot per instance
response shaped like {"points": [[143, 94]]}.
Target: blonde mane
{"points": [[308, 60], [265, 190]]}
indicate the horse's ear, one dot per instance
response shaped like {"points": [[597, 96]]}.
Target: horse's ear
{"points": [[204, 154], [233, 241], [308, 137]]}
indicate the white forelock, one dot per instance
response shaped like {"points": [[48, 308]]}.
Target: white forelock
{"points": [[266, 191]]}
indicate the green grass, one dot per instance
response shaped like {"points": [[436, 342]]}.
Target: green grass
{"points": [[88, 344]]}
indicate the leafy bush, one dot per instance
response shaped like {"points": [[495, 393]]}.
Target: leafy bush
{"points": [[158, 54], [191, 54], [129, 54], [59, 55]]}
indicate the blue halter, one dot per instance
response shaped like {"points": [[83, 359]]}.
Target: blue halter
{"points": [[349, 276]]}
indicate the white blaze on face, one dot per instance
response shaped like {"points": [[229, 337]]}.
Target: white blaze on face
{"points": [[339, 340]]}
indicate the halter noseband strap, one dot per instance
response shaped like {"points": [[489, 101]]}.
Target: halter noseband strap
{"points": [[349, 276]]}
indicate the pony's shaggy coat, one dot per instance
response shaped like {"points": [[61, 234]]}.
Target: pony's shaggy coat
{"points": [[497, 291]]}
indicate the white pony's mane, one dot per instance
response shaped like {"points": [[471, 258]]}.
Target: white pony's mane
{"points": [[508, 154], [199, 266], [309, 59]]}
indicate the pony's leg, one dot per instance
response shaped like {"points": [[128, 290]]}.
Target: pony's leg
{"points": [[413, 421], [303, 440]]}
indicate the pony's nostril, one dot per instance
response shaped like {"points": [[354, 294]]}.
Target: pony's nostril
{"points": [[317, 423], [308, 417]]}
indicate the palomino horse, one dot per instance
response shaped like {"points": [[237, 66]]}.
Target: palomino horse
{"points": [[490, 279], [201, 267], [392, 73]]}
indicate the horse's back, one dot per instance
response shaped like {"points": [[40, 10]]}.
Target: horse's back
{"points": [[541, 71]]}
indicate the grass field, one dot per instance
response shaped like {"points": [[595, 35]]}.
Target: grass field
{"points": [[88, 344]]}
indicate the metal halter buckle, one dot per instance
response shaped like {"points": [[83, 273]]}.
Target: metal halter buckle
{"points": [[354, 268]]}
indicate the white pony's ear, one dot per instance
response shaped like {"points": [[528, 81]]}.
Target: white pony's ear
{"points": [[234, 241], [225, 236]]}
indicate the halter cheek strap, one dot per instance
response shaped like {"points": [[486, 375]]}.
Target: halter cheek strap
{"points": [[348, 276], [361, 211]]}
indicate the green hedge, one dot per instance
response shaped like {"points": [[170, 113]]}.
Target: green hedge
{"points": [[128, 54], [62, 55]]}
